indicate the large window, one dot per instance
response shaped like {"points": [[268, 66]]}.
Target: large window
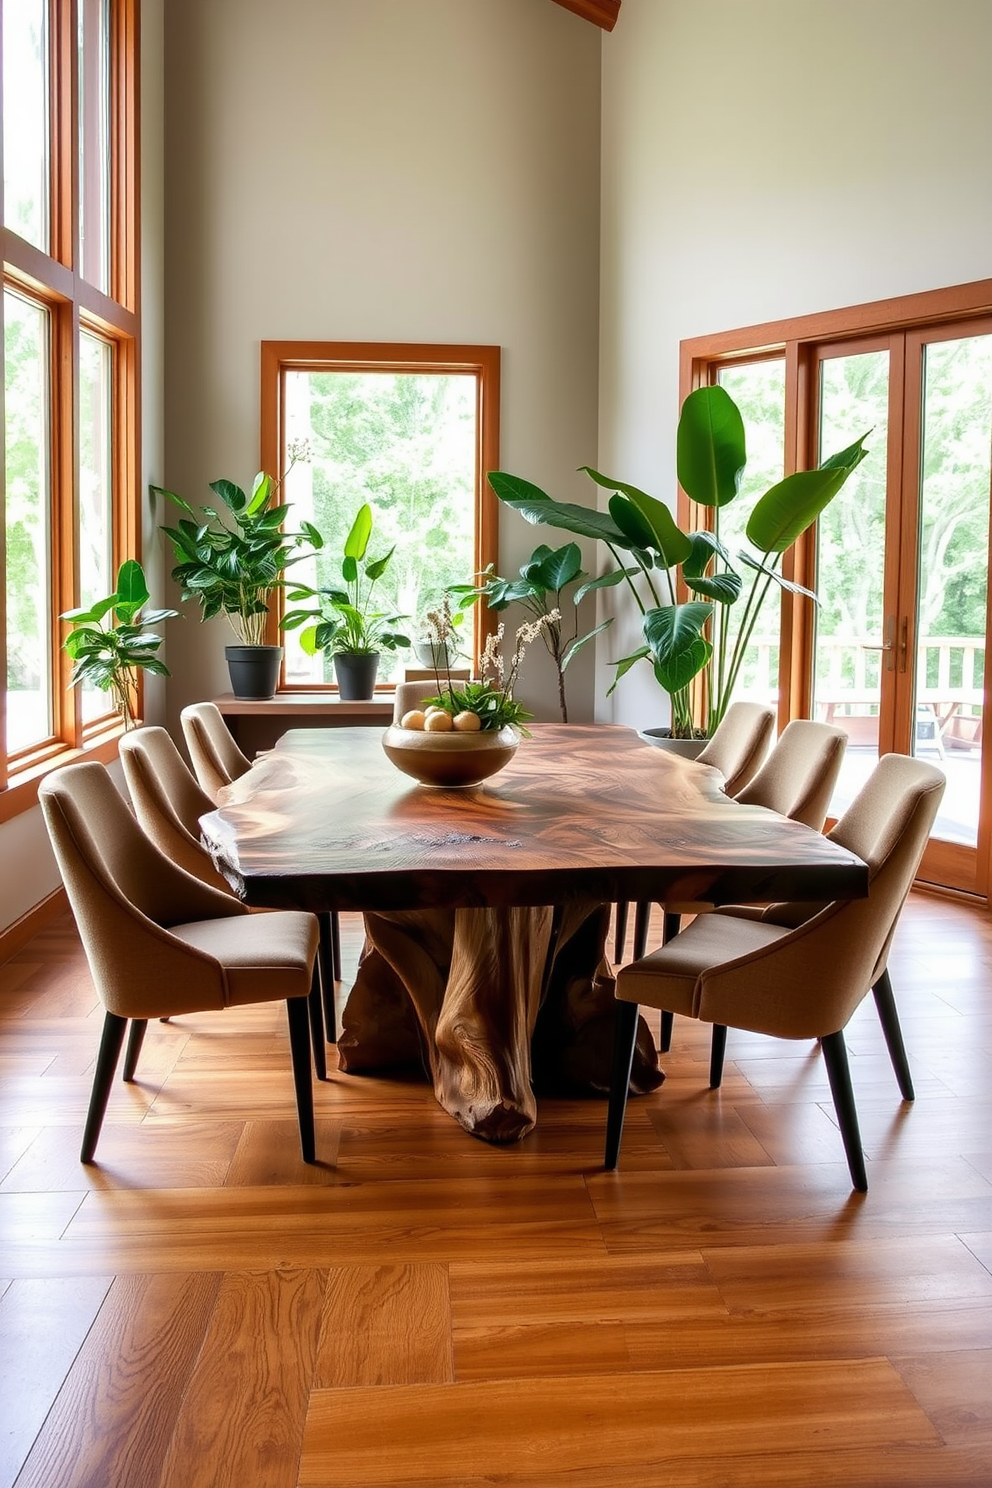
{"points": [[895, 650], [70, 326], [410, 430]]}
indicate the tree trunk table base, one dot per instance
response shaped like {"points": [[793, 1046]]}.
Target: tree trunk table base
{"points": [[477, 996]]}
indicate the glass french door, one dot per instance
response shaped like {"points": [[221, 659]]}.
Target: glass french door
{"points": [[902, 572]]}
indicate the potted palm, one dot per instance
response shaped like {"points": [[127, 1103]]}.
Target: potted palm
{"points": [[110, 642], [701, 636], [231, 559], [342, 622]]}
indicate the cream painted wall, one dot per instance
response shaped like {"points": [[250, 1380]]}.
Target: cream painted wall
{"points": [[770, 158], [29, 873], [379, 171]]}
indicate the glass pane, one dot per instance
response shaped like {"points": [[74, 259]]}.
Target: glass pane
{"points": [[94, 142], [96, 575], [758, 389], [848, 660], [405, 443], [953, 573], [26, 391], [25, 120]]}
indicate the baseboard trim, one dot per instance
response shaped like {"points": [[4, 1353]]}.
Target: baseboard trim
{"points": [[17, 935]]}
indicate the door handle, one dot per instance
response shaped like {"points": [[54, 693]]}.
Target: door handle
{"points": [[888, 645]]}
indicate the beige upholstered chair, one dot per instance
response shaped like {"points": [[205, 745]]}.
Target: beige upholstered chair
{"points": [[216, 758], [217, 761], [167, 800], [737, 750], [797, 780], [797, 971], [740, 744], [160, 942]]}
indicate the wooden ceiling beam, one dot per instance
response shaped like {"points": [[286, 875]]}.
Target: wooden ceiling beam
{"points": [[601, 12]]}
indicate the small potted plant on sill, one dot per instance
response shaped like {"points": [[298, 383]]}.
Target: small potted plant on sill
{"points": [[109, 642], [697, 637], [234, 569], [342, 622]]}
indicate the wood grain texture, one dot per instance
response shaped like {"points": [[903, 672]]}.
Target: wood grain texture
{"points": [[682, 1323], [246, 1398], [114, 1418], [385, 1325]]}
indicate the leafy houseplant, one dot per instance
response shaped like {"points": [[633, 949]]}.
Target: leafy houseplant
{"points": [[342, 621], [686, 638], [233, 566], [110, 642], [544, 578]]}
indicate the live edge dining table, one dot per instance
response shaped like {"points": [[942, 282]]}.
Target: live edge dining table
{"points": [[487, 908]]}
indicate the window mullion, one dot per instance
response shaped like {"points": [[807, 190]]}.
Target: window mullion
{"points": [[64, 165]]}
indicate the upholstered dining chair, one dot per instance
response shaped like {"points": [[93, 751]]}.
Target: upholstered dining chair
{"points": [[737, 749], [217, 761], [160, 941], [796, 971], [216, 758], [168, 803], [797, 780]]}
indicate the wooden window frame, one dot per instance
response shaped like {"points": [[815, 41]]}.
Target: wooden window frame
{"points": [[53, 280], [801, 341], [482, 362]]}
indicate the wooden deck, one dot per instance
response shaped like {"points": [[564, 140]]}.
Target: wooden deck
{"points": [[201, 1310]]}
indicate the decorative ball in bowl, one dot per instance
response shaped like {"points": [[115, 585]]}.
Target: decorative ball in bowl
{"points": [[451, 758]]}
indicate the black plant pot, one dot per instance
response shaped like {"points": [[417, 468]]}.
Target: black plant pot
{"points": [[356, 672], [254, 670]]}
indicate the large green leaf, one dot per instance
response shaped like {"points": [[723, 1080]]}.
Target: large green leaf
{"points": [[672, 629], [705, 545], [231, 495], [725, 588], [711, 450], [557, 568], [358, 538], [667, 538], [581, 521], [785, 511], [605, 581], [514, 488], [677, 671], [574, 647], [261, 487], [132, 591], [635, 527]]}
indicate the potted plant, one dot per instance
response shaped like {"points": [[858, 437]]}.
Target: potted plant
{"points": [[547, 575], [342, 621], [233, 569], [685, 638], [110, 643]]}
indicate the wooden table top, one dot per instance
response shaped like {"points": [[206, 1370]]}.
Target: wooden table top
{"points": [[582, 811]]}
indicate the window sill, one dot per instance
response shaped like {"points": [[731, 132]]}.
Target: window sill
{"points": [[21, 792]]}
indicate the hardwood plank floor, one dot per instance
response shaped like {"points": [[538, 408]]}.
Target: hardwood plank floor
{"points": [[200, 1308]]}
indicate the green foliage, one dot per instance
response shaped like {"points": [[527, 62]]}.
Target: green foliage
{"points": [[488, 699], [232, 569], [544, 579], [110, 642], [711, 461], [341, 621]]}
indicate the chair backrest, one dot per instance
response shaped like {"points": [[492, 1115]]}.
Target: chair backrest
{"points": [[216, 758], [740, 744], [798, 777], [167, 800], [808, 983], [125, 894]]}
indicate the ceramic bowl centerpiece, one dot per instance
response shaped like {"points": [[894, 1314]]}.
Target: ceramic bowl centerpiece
{"points": [[469, 730]]}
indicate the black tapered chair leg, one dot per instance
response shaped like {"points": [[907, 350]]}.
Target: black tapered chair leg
{"points": [[624, 1038], [888, 1016], [135, 1039], [621, 931], [673, 924], [315, 1012], [111, 1043], [839, 1075], [299, 1045], [328, 959], [642, 919], [335, 920], [718, 1049], [667, 1022]]}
